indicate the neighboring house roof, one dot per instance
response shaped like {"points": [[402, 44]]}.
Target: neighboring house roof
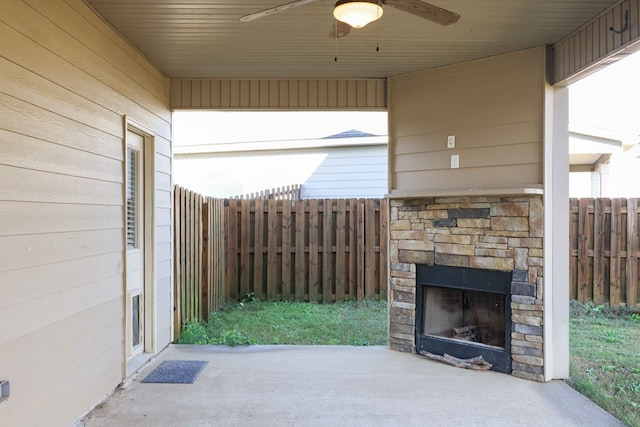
{"points": [[348, 138], [353, 133], [589, 146]]}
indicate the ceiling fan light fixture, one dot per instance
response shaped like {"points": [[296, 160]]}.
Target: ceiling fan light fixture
{"points": [[357, 13]]}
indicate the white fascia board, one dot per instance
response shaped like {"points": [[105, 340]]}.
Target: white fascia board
{"points": [[281, 145]]}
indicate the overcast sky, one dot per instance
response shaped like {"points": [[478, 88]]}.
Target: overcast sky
{"points": [[210, 127], [609, 98]]}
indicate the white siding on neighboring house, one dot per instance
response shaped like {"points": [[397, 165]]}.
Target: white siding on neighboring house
{"points": [[323, 172], [349, 172], [67, 82], [333, 167]]}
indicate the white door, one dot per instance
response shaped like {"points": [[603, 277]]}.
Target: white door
{"points": [[135, 271]]}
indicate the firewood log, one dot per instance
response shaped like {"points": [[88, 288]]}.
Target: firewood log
{"points": [[477, 363]]}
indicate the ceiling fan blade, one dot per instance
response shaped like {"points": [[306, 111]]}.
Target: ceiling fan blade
{"points": [[424, 10], [277, 9], [339, 29]]}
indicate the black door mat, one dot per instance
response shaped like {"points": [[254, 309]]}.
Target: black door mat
{"points": [[176, 372]]}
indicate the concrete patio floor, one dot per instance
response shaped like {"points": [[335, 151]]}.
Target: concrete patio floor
{"points": [[339, 386]]}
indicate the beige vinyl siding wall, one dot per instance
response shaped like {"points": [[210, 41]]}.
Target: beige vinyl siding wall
{"points": [[66, 82], [163, 243], [494, 107], [279, 94]]}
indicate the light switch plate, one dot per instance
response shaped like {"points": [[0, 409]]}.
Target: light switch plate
{"points": [[451, 141], [455, 161]]}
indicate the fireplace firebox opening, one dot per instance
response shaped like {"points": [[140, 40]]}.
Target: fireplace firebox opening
{"points": [[464, 312]]}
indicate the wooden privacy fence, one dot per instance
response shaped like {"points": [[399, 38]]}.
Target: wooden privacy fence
{"points": [[604, 251], [317, 250], [199, 256], [307, 250]]}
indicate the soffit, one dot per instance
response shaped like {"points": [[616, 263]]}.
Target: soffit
{"points": [[205, 38]]}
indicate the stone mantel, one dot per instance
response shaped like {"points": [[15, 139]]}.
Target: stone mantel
{"points": [[468, 192]]}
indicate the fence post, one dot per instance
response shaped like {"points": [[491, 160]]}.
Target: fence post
{"points": [[245, 243], [272, 250], [219, 254], [573, 248], [583, 260], [598, 251], [232, 248], [371, 282], [341, 253], [205, 262], [327, 244], [286, 248], [353, 245], [177, 255], [360, 218], [258, 246], [632, 248], [384, 228], [197, 291], [313, 249], [616, 223], [300, 264]]}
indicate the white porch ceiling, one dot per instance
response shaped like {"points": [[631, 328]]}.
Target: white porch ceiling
{"points": [[205, 38]]}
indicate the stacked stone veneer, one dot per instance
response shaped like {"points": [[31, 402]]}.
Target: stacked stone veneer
{"points": [[495, 233]]}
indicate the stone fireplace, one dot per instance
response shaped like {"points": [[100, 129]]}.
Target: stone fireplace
{"points": [[497, 237]]}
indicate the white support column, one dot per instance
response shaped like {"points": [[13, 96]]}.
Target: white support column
{"points": [[556, 232], [605, 180], [595, 184]]}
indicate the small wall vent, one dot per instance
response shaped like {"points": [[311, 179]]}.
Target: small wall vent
{"points": [[4, 390]]}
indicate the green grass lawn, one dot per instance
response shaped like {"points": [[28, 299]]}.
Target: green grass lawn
{"points": [[347, 323], [605, 358]]}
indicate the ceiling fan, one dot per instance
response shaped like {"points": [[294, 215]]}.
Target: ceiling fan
{"points": [[358, 13]]}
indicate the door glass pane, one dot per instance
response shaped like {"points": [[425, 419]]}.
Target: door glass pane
{"points": [[133, 196], [135, 320]]}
